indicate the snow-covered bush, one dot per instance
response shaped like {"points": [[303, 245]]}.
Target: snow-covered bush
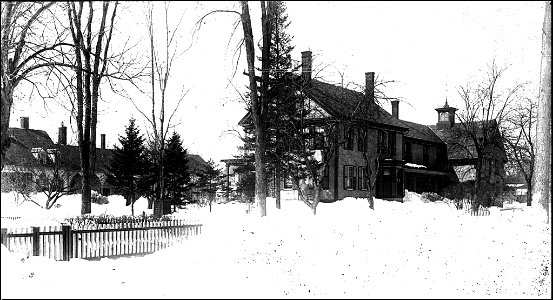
{"points": [[109, 219], [431, 197], [95, 197]]}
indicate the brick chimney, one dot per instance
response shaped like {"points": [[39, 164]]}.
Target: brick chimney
{"points": [[369, 86], [103, 140], [62, 135], [24, 122], [395, 109], [306, 64]]}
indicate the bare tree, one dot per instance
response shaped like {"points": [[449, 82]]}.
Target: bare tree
{"points": [[91, 56], [53, 181], [520, 137], [542, 179], [32, 39], [484, 111], [161, 65]]}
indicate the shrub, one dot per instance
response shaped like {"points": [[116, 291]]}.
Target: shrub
{"points": [[488, 194], [431, 197], [97, 198], [88, 220]]}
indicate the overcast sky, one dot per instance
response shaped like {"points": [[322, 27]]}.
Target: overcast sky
{"points": [[427, 47]]}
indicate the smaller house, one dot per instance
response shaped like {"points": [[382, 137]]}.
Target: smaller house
{"points": [[197, 166], [32, 153]]}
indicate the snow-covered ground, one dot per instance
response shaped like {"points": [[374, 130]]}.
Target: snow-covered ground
{"points": [[399, 250]]}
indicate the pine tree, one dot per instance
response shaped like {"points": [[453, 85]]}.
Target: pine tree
{"points": [[177, 175], [128, 165]]}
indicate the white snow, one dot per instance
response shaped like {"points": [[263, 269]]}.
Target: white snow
{"points": [[415, 166], [399, 250]]}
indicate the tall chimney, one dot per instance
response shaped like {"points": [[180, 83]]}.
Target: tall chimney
{"points": [[103, 140], [62, 135], [24, 122], [306, 64], [369, 86], [395, 109]]}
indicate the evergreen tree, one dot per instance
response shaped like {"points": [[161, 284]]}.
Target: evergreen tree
{"points": [[210, 180], [281, 104], [128, 165], [177, 175]]}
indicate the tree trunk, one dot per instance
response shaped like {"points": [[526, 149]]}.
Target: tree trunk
{"points": [[542, 175], [7, 101], [256, 107], [277, 189], [316, 198]]}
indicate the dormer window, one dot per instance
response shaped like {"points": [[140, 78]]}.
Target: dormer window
{"points": [[53, 154], [40, 155]]}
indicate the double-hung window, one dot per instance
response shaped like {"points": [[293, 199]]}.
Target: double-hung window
{"points": [[363, 179], [349, 177]]}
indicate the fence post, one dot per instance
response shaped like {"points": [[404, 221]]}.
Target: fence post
{"points": [[66, 232], [5, 237], [36, 241]]}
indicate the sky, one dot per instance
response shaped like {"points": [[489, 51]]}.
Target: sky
{"points": [[427, 48]]}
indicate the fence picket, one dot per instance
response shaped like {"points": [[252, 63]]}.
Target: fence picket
{"points": [[103, 240]]}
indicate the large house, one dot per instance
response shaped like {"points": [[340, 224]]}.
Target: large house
{"points": [[32, 150], [409, 155]]}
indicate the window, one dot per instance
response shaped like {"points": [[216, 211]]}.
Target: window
{"points": [[349, 133], [387, 143], [349, 178], [407, 152], [318, 137], [40, 155], [362, 139], [53, 154], [363, 179], [444, 117], [288, 182]]}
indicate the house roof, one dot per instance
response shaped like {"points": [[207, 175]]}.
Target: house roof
{"points": [[196, 163], [30, 138], [344, 103], [21, 143], [421, 132], [71, 157], [461, 146]]}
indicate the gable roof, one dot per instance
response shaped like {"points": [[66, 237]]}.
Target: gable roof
{"points": [[30, 138], [343, 103], [196, 163], [22, 141], [461, 146], [421, 132]]}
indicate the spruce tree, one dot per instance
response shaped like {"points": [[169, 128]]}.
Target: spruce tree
{"points": [[128, 165], [281, 104], [177, 175]]}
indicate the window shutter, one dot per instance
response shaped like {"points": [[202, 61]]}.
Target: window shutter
{"points": [[344, 178], [354, 180]]}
